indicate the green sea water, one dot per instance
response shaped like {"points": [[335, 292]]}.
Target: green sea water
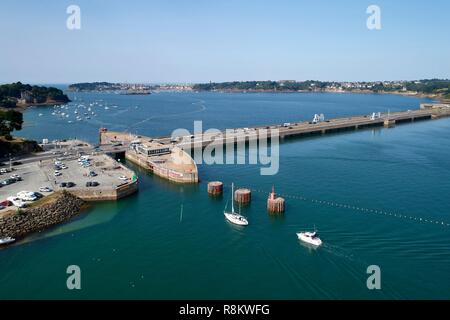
{"points": [[377, 197]]}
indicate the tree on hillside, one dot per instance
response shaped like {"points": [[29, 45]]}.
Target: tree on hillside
{"points": [[10, 120]]}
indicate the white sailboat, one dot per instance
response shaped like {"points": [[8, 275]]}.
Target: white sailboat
{"points": [[232, 216]]}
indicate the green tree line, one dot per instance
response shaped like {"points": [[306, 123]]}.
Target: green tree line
{"points": [[9, 93], [10, 120]]}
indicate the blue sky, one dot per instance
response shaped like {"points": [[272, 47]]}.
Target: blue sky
{"points": [[199, 41]]}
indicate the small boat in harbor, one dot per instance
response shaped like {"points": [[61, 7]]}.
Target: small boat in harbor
{"points": [[234, 217], [310, 237], [6, 240]]}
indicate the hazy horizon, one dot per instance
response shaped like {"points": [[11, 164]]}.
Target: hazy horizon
{"points": [[191, 83]]}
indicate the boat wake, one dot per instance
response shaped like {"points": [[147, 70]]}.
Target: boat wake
{"points": [[171, 116]]}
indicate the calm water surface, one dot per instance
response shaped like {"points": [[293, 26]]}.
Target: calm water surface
{"points": [[142, 247]]}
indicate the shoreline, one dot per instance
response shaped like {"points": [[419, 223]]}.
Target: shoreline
{"points": [[405, 94], [434, 97], [24, 106], [60, 208]]}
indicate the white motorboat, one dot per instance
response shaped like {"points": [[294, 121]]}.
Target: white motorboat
{"points": [[234, 217], [6, 240], [310, 237]]}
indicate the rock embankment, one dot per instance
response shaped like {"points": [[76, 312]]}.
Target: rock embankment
{"points": [[63, 208], [18, 146]]}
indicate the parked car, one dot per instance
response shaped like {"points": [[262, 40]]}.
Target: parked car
{"points": [[63, 184], [7, 182], [16, 177], [57, 173], [5, 203], [17, 202], [26, 196], [93, 174], [38, 195], [92, 184], [45, 189], [16, 163], [123, 178], [70, 184]]}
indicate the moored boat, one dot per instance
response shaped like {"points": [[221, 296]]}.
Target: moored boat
{"points": [[6, 240], [234, 217]]}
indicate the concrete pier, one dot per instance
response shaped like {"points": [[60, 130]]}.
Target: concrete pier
{"points": [[164, 160], [305, 129], [169, 157]]}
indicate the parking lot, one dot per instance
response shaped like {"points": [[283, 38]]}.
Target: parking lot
{"points": [[107, 171], [101, 169], [32, 179]]}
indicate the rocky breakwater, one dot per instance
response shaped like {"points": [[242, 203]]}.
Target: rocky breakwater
{"points": [[62, 208]]}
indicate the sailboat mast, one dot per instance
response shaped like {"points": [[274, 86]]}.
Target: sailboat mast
{"points": [[232, 200]]}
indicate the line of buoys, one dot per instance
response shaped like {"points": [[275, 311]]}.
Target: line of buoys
{"points": [[361, 209]]}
